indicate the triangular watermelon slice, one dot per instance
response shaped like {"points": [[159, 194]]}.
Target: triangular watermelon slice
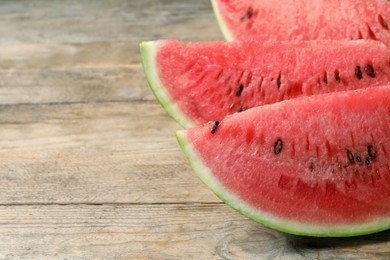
{"points": [[265, 20], [316, 166], [201, 82]]}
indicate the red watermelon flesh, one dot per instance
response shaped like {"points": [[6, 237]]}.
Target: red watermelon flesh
{"points": [[265, 20], [315, 166], [201, 82]]}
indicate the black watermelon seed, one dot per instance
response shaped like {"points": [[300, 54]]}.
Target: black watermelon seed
{"points": [[367, 161], [325, 78], [358, 158], [249, 14], [351, 159], [337, 76], [239, 90], [215, 126], [278, 146], [370, 71], [240, 109], [358, 72], [371, 152], [279, 81]]}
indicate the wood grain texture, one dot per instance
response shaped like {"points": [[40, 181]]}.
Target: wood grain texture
{"points": [[163, 232], [74, 86], [106, 152], [89, 165], [71, 21]]}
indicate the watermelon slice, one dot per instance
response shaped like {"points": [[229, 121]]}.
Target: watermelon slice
{"points": [[265, 20], [201, 82], [316, 166]]}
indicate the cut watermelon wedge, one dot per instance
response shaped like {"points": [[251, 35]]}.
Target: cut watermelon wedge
{"points": [[265, 20], [315, 166], [201, 82]]}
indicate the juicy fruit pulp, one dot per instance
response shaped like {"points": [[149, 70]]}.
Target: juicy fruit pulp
{"points": [[313, 166], [265, 20], [201, 82]]}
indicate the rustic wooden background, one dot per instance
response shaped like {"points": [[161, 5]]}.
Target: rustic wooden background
{"points": [[89, 165]]}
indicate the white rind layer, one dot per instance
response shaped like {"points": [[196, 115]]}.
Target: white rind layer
{"points": [[148, 53], [224, 29]]}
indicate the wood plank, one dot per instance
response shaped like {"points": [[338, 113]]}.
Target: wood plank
{"points": [[190, 231], [108, 54], [72, 73], [74, 85], [93, 153], [67, 21]]}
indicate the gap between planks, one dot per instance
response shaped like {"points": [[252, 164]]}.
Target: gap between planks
{"points": [[112, 204], [97, 102], [76, 67]]}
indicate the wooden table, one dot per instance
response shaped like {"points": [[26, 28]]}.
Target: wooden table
{"points": [[89, 165]]}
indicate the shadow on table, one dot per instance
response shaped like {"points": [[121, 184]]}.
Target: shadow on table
{"points": [[302, 242], [255, 241]]}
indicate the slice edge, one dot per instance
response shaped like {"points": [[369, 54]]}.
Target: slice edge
{"points": [[148, 51], [224, 29]]}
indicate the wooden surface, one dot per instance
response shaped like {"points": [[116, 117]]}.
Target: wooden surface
{"points": [[89, 165]]}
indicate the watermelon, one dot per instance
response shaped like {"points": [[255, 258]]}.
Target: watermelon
{"points": [[265, 20], [315, 166], [205, 81]]}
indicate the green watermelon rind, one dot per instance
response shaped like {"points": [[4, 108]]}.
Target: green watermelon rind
{"points": [[287, 226], [148, 55], [222, 26]]}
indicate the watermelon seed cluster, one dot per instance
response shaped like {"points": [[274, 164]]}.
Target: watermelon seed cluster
{"points": [[369, 69], [371, 156], [248, 14]]}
